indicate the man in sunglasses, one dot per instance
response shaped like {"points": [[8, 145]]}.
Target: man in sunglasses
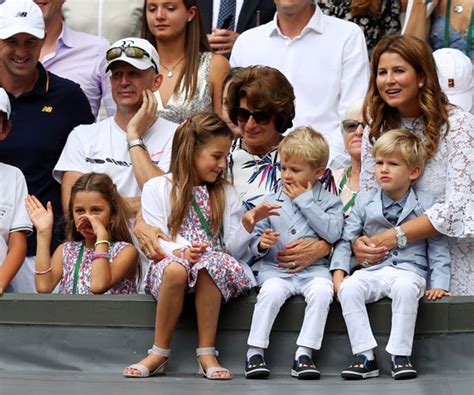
{"points": [[132, 146], [324, 58], [45, 108]]}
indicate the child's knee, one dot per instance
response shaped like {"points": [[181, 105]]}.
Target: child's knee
{"points": [[272, 295], [320, 293], [350, 289], [175, 275], [406, 289]]}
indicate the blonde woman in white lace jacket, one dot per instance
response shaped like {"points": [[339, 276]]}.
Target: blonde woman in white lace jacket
{"points": [[404, 92]]}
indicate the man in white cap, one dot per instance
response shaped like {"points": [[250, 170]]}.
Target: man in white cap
{"points": [[455, 76], [45, 108], [14, 221], [132, 146]]}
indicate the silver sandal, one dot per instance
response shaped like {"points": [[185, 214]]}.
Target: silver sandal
{"points": [[208, 374], [145, 372]]}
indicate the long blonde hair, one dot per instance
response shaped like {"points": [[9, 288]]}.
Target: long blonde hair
{"points": [[432, 102], [191, 136]]}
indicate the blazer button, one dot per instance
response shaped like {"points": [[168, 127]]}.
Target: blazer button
{"points": [[394, 263], [395, 253], [293, 231]]}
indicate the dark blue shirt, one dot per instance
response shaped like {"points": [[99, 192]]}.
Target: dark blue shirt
{"points": [[42, 120], [393, 209]]}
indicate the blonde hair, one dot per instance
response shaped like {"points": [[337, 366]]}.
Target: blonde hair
{"points": [[190, 137], [404, 143], [307, 144]]}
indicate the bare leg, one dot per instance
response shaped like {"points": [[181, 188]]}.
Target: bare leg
{"points": [[208, 303], [168, 310]]}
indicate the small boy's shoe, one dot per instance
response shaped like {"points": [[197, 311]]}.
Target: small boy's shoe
{"points": [[402, 368], [361, 368], [255, 368], [304, 369]]}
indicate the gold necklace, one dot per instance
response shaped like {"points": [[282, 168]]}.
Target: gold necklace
{"points": [[170, 70]]}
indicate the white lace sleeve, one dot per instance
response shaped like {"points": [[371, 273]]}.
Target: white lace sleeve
{"points": [[367, 171], [454, 216]]}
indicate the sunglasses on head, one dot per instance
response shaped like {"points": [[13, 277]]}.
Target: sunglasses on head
{"points": [[351, 125], [262, 116], [130, 52]]}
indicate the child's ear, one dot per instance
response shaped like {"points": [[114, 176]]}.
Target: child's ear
{"points": [[6, 127], [414, 173]]}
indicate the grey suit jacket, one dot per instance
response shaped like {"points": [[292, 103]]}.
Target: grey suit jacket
{"points": [[316, 214], [429, 258], [247, 17]]}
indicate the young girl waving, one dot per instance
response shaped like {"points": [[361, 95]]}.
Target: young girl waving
{"points": [[203, 215], [98, 256]]}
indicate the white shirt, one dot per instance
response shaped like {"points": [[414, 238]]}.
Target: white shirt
{"points": [[327, 64], [102, 148], [216, 4], [13, 214]]}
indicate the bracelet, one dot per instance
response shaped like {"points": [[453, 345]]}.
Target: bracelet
{"points": [[99, 255], [45, 271], [102, 242]]}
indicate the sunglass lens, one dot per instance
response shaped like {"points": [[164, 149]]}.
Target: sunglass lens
{"points": [[243, 114], [113, 53], [134, 52], [350, 126], [262, 117]]}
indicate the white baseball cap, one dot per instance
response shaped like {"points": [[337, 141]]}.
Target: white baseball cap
{"points": [[136, 51], [5, 103], [455, 76], [21, 16]]}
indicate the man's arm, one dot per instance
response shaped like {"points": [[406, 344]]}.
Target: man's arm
{"points": [[69, 179]]}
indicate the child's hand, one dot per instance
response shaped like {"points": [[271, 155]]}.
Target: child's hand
{"points": [[338, 277], [194, 253], [41, 217], [295, 190], [436, 293], [87, 221], [268, 239], [258, 213]]}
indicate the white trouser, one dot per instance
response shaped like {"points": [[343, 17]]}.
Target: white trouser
{"points": [[24, 280], [405, 288], [318, 293]]}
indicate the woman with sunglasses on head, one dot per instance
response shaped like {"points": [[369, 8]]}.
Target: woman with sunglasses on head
{"points": [[347, 178], [192, 74], [261, 102], [404, 92]]}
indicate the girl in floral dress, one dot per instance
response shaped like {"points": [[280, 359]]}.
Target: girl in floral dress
{"points": [[99, 256], [203, 214]]}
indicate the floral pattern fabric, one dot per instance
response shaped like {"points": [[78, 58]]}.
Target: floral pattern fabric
{"points": [[71, 252], [226, 271], [449, 175]]}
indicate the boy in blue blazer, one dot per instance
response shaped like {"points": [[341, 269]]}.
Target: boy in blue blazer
{"points": [[403, 275], [307, 211]]}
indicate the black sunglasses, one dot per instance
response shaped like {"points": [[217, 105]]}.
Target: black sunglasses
{"points": [[130, 52], [262, 116], [351, 125]]}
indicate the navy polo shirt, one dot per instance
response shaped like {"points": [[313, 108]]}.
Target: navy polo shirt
{"points": [[41, 122]]}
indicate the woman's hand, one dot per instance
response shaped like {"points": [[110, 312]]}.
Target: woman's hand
{"points": [[41, 217], [367, 253], [268, 239], [301, 253], [295, 190], [436, 293], [258, 213], [148, 236]]}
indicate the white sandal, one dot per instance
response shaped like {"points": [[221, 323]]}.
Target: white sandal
{"points": [[208, 374], [145, 372]]}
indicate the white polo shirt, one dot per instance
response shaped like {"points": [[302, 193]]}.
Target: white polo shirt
{"points": [[102, 148], [13, 214], [327, 64]]}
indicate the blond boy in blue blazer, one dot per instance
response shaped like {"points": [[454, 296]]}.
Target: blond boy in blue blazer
{"points": [[307, 211], [404, 274]]}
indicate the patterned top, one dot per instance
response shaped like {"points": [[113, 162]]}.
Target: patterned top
{"points": [[178, 108], [344, 191], [254, 176], [456, 39], [71, 253], [374, 28], [449, 175]]}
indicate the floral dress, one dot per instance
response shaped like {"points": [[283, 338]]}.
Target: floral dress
{"points": [[71, 252], [226, 271], [449, 176]]}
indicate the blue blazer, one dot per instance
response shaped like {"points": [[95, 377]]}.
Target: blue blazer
{"points": [[316, 214], [429, 258]]}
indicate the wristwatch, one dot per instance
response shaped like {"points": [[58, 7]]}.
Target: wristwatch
{"points": [[402, 240], [136, 143]]}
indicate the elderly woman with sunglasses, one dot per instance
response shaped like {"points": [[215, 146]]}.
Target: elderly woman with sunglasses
{"points": [[347, 178], [261, 102]]}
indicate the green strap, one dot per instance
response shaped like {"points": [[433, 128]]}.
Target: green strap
{"points": [[350, 203], [447, 29], [206, 226], [76, 269]]}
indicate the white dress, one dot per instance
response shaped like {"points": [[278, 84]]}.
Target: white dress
{"points": [[449, 176]]}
